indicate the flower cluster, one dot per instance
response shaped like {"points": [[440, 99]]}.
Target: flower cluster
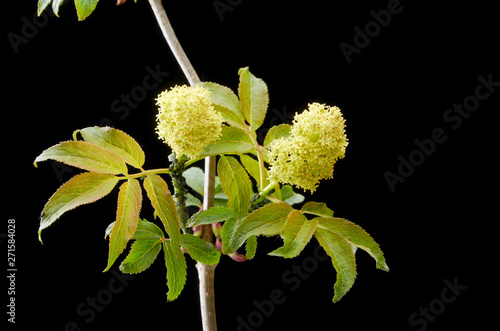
{"points": [[317, 140], [187, 120]]}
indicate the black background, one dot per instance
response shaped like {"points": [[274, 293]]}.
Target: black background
{"points": [[439, 224]]}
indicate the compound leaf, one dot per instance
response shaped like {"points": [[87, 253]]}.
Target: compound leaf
{"points": [[115, 141], [200, 250], [176, 269], [84, 155], [127, 218], [296, 233], [340, 250], [79, 190], [142, 254]]}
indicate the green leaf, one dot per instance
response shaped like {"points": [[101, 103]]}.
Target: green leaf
{"points": [[79, 190], [127, 218], [142, 254], [267, 221], [296, 233], [251, 247], [176, 269], [84, 155], [195, 178], [277, 132], [253, 168], [42, 4], [200, 250], [254, 98], [212, 215], [356, 236], [55, 6], [226, 103], [84, 8], [289, 196], [164, 205], [227, 234], [115, 141], [148, 230], [340, 250], [231, 141], [316, 208], [236, 184], [191, 200]]}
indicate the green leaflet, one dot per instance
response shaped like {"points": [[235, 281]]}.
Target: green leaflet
{"points": [[115, 141], [356, 236], [226, 103], [212, 215], [316, 208], [148, 230], [296, 233], [195, 178], [236, 184], [233, 140], [127, 218], [141, 256], [176, 269], [42, 4], [277, 132], [267, 221], [81, 189], [85, 155], [289, 196], [251, 247], [200, 250], [254, 98], [339, 249], [252, 167], [164, 205], [84, 8]]}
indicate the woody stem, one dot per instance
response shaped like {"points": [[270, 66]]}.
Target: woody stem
{"points": [[205, 272]]}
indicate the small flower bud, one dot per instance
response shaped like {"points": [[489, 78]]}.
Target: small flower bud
{"points": [[197, 230], [216, 229], [238, 257]]}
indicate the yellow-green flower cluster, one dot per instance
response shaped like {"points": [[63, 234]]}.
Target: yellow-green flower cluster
{"points": [[317, 140], [187, 120]]}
